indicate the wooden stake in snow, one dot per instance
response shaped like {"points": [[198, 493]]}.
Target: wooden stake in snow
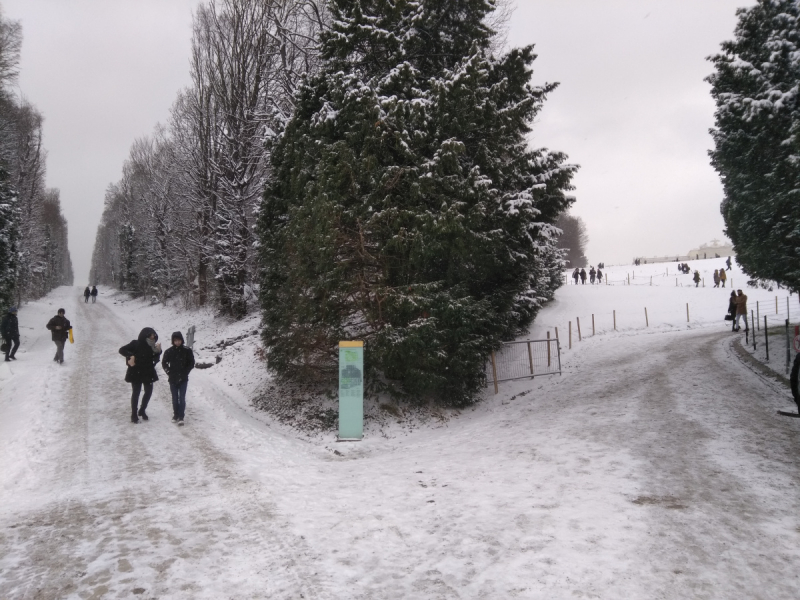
{"points": [[758, 317], [787, 304], [578, 320], [494, 372], [556, 332], [687, 312], [570, 335], [651, 280], [615, 320], [646, 320], [548, 348]]}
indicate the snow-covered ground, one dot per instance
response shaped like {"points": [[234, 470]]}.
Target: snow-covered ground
{"points": [[655, 467]]}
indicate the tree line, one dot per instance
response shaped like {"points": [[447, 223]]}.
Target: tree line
{"points": [[34, 257], [360, 168]]}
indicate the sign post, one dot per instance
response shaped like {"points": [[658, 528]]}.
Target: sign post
{"points": [[351, 391]]}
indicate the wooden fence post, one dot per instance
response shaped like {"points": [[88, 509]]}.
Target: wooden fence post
{"points": [[646, 320], [570, 335], [494, 372], [687, 312], [530, 357], [578, 320], [787, 304], [556, 332], [758, 317], [548, 349], [615, 320]]}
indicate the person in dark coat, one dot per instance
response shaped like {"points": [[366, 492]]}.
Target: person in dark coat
{"points": [[599, 275], [9, 331], [59, 326], [732, 310], [576, 275], [86, 293], [178, 361], [696, 278], [583, 276], [592, 275], [94, 294], [142, 356], [793, 380], [728, 262]]}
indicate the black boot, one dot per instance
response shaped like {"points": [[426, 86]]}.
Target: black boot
{"points": [[134, 419], [143, 414]]}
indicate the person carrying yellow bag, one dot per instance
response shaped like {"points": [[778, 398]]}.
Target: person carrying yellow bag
{"points": [[61, 328]]}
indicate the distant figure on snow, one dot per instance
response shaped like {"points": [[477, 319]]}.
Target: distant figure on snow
{"points": [[178, 361], [59, 326], [728, 262], [741, 309], [86, 293], [94, 294], [576, 275], [9, 331], [716, 277], [599, 275], [722, 277], [141, 356], [696, 278], [592, 274], [583, 276]]}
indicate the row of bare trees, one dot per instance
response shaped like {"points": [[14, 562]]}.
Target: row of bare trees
{"points": [[180, 221], [34, 257]]}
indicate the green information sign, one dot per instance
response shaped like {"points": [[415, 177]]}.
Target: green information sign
{"points": [[351, 391]]}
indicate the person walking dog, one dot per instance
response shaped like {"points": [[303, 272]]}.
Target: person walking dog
{"points": [[9, 331], [59, 326], [141, 356], [178, 361]]}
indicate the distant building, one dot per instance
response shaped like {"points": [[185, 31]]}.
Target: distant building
{"points": [[712, 249]]}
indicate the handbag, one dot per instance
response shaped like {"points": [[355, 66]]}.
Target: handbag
{"points": [[71, 339], [729, 317], [5, 346]]}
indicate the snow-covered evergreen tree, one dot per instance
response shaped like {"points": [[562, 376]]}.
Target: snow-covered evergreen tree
{"points": [[8, 240], [405, 206], [757, 139]]}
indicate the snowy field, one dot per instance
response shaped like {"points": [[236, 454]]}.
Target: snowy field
{"points": [[654, 467]]}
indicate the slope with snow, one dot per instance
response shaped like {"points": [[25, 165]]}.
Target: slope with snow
{"points": [[654, 467]]}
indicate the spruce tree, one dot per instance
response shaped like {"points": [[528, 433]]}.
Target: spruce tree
{"points": [[757, 139], [405, 207], [9, 220]]}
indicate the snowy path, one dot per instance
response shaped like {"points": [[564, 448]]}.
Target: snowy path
{"points": [[654, 468]]}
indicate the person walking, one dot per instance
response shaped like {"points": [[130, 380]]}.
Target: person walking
{"points": [[583, 276], [59, 326], [728, 263], [178, 361], [741, 309], [592, 275], [696, 278], [599, 275], [9, 331], [94, 294], [722, 277], [576, 275], [716, 277], [86, 293], [793, 381], [141, 356], [732, 310]]}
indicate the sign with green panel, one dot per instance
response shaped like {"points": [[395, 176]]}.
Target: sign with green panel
{"points": [[351, 391]]}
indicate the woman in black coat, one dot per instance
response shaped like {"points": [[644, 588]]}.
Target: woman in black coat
{"points": [[732, 309], [142, 356]]}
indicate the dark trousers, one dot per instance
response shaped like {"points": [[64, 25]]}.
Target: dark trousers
{"points": [[93, 299], [179, 398], [86, 299], [136, 389], [13, 344], [59, 350]]}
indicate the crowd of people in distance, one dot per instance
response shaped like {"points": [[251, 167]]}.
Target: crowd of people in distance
{"points": [[594, 276]]}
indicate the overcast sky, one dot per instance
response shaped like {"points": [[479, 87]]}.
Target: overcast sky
{"points": [[632, 108]]}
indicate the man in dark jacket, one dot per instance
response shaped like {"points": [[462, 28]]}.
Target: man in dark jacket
{"points": [[60, 327], [9, 331], [86, 293], [141, 356], [793, 380], [583, 276], [94, 294], [178, 362]]}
